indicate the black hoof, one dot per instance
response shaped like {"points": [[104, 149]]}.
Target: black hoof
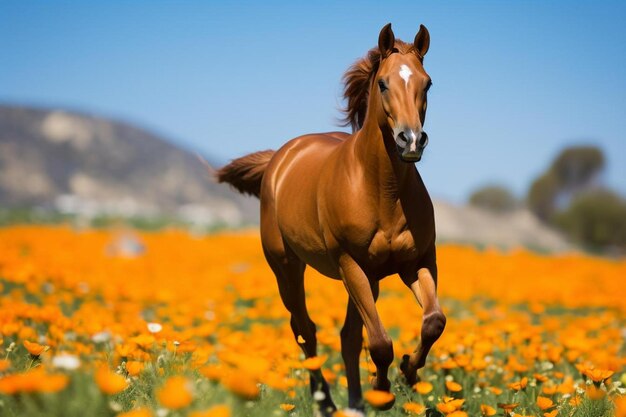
{"points": [[409, 377]]}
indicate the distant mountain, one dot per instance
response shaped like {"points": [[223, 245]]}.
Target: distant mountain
{"points": [[88, 165]]}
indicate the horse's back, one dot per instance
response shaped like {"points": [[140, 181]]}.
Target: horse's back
{"points": [[289, 211], [296, 166]]}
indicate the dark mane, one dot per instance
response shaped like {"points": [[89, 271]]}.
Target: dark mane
{"points": [[357, 81]]}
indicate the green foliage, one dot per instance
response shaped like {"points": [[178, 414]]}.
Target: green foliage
{"points": [[494, 198], [596, 219], [576, 166], [570, 172], [542, 196]]}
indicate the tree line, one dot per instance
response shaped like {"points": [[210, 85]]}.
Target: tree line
{"points": [[571, 197]]}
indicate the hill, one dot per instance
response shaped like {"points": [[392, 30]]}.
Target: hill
{"points": [[91, 166]]}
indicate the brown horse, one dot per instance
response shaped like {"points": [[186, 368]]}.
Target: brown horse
{"points": [[355, 208]]}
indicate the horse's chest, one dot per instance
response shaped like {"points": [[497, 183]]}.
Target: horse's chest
{"points": [[398, 247]]}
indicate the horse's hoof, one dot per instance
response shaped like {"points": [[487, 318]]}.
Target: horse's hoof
{"points": [[410, 377]]}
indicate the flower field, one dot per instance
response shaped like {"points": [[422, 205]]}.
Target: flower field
{"points": [[106, 323]]}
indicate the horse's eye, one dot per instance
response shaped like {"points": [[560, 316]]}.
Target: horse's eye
{"points": [[382, 86]]}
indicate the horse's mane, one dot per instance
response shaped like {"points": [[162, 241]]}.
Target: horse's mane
{"points": [[357, 81]]}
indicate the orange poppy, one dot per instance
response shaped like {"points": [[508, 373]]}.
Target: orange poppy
{"points": [[414, 408], [35, 349], [176, 393], [487, 410], [379, 399], [423, 387], [109, 382]]}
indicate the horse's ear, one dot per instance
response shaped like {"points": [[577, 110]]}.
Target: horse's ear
{"points": [[422, 41], [386, 40]]}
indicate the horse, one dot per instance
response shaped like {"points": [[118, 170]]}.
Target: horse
{"points": [[355, 208]]}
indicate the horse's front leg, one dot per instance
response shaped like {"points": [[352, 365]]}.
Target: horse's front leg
{"points": [[434, 321], [351, 346], [361, 294]]}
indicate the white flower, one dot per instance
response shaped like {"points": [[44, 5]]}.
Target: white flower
{"points": [[115, 406], [154, 327], [66, 361], [101, 337], [319, 396]]}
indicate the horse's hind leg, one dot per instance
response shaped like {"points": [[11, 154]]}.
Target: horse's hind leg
{"points": [[289, 271], [433, 322]]}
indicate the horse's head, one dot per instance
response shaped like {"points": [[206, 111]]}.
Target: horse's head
{"points": [[403, 86]]}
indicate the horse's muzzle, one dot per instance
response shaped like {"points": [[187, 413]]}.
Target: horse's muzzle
{"points": [[413, 150]]}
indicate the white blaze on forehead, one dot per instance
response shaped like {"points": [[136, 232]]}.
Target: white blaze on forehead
{"points": [[405, 73]]}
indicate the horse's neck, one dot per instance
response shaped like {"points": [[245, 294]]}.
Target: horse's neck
{"points": [[385, 174]]}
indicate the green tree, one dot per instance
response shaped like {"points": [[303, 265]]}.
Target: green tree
{"points": [[571, 172], [596, 219], [494, 198]]}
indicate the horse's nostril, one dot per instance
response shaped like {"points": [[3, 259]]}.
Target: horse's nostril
{"points": [[424, 139], [402, 137]]}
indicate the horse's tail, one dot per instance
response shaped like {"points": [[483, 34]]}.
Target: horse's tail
{"points": [[246, 173]]}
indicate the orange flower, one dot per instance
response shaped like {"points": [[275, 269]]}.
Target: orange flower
{"points": [[134, 368], [549, 389], [287, 407], [423, 387], [519, 385], [35, 349], [140, 412], [544, 403], [597, 375], [313, 363], [450, 404], [575, 401], [453, 386], [217, 411], [242, 384], [414, 408], [212, 372], [595, 393], [487, 410], [36, 380], [508, 407], [620, 406], [145, 341], [552, 413], [109, 382], [379, 399], [458, 414], [176, 393]]}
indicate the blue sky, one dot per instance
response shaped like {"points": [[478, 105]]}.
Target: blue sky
{"points": [[513, 82]]}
